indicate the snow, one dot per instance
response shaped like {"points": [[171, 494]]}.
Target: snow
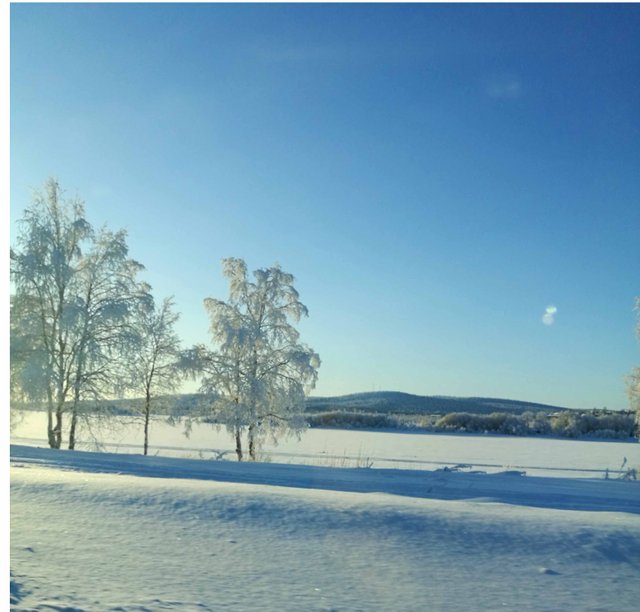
{"points": [[338, 448], [122, 532]]}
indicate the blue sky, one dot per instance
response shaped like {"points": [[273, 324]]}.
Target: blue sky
{"points": [[435, 176]]}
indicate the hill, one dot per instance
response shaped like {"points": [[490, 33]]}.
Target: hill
{"points": [[375, 402], [395, 402]]}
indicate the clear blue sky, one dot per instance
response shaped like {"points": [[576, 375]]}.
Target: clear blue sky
{"points": [[435, 176]]}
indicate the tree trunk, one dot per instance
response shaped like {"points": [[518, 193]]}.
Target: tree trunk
{"points": [[72, 429], [50, 430], [74, 417], [50, 435], [57, 430], [252, 442], [238, 445], [147, 412]]}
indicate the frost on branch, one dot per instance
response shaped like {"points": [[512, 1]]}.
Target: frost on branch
{"points": [[74, 292], [259, 372]]}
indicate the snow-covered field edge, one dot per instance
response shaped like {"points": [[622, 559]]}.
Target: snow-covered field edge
{"points": [[504, 487], [127, 533]]}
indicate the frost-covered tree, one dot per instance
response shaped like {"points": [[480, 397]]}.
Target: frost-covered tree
{"points": [[155, 367], [223, 383], [73, 294], [107, 296], [260, 372], [49, 246], [633, 380], [27, 358]]}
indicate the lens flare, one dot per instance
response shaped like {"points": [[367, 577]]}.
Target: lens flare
{"points": [[548, 318]]}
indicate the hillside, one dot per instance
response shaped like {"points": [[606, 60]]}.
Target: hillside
{"points": [[395, 402], [375, 402]]}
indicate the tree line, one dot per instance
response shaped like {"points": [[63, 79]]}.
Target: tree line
{"points": [[84, 326]]}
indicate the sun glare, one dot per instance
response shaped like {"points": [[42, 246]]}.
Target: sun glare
{"points": [[548, 318]]}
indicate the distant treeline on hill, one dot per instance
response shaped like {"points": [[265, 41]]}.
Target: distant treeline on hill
{"points": [[395, 402], [395, 410], [403, 411], [568, 424]]}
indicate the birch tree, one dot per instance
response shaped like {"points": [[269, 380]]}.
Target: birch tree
{"points": [[259, 372], [155, 368], [52, 233], [107, 295], [73, 293]]}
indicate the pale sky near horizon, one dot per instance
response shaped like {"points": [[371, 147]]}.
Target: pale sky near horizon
{"points": [[454, 187]]}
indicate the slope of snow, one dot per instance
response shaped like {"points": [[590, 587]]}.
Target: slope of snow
{"points": [[506, 487], [127, 533]]}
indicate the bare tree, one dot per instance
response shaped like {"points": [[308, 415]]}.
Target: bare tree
{"points": [[155, 368]]}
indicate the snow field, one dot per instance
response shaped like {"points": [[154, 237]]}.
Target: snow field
{"points": [[537, 456], [83, 540]]}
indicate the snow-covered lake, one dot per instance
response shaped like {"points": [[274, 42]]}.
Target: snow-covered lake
{"points": [[537, 456]]}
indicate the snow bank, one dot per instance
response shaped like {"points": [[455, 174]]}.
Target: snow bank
{"points": [[505, 487], [127, 533]]}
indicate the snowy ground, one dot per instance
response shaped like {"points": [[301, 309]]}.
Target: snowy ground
{"points": [[121, 532], [537, 456]]}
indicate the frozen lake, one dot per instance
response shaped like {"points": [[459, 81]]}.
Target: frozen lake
{"points": [[537, 456]]}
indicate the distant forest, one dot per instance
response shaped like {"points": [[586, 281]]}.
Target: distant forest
{"points": [[404, 411]]}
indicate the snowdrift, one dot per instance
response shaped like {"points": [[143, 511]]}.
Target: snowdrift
{"points": [[126, 533]]}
